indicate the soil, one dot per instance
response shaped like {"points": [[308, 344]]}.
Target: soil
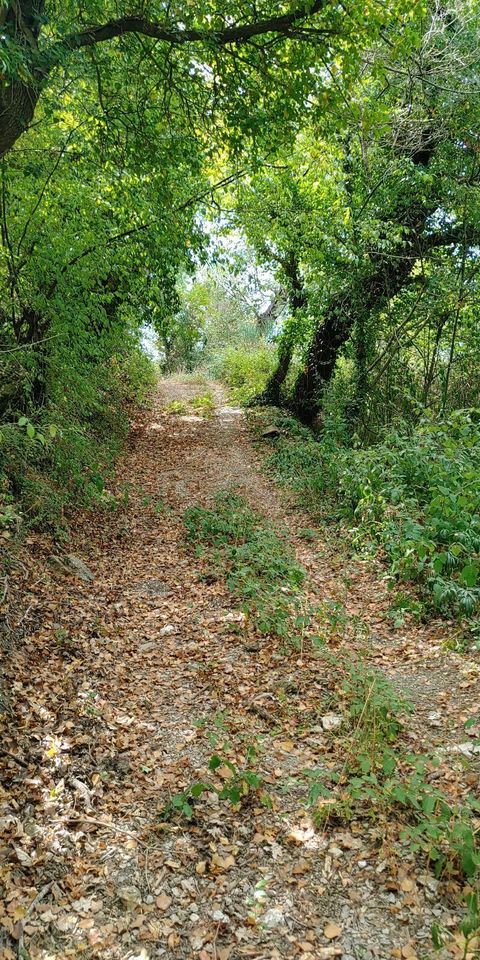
{"points": [[122, 688]]}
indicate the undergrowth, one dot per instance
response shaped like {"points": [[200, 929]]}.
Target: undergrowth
{"points": [[238, 784], [202, 404], [375, 777], [259, 566], [413, 499], [61, 454], [244, 372]]}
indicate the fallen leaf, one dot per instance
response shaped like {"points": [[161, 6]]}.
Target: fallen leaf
{"points": [[224, 772], [331, 931], [163, 901], [301, 867]]}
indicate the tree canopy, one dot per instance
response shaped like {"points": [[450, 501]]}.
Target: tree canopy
{"points": [[340, 143]]}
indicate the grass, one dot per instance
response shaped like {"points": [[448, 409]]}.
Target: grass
{"points": [[202, 404], [374, 776], [259, 566]]}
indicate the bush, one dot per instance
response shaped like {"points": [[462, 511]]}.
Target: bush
{"points": [[61, 454], [415, 496], [244, 371], [418, 495]]}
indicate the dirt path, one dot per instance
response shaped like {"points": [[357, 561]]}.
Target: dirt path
{"points": [[119, 689]]}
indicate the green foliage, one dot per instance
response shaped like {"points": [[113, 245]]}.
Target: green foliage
{"points": [[418, 496], [259, 565], [245, 372], [179, 407], [373, 705], [382, 228], [90, 251], [204, 404], [236, 789], [379, 779], [63, 455], [415, 497], [239, 780], [303, 463], [469, 928]]}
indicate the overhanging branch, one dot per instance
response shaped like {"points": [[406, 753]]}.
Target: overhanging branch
{"points": [[241, 33]]}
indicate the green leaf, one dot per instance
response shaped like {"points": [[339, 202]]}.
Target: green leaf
{"points": [[251, 778], [469, 574], [470, 862], [199, 788], [428, 805], [436, 935]]}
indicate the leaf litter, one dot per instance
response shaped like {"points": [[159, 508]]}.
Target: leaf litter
{"points": [[123, 687]]}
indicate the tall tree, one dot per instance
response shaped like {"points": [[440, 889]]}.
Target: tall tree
{"points": [[397, 154]]}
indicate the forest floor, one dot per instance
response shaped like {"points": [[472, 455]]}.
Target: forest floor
{"points": [[117, 688]]}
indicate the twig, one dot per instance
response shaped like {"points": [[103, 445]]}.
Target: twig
{"points": [[264, 714], [101, 823], [214, 943], [254, 707], [22, 953], [299, 923], [24, 616], [21, 763], [29, 346], [5, 580]]}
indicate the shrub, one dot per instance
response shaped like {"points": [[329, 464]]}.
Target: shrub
{"points": [[61, 454], [244, 371], [418, 496], [415, 496]]}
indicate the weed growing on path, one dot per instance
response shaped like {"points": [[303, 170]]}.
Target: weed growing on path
{"points": [[469, 930], [377, 778], [204, 404], [238, 786], [259, 565], [231, 781], [178, 407]]}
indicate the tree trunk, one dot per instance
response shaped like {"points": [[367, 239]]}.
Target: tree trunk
{"points": [[365, 295], [22, 22], [272, 395], [297, 298], [361, 298], [17, 106]]}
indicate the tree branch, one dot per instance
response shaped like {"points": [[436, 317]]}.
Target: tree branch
{"points": [[282, 24]]}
